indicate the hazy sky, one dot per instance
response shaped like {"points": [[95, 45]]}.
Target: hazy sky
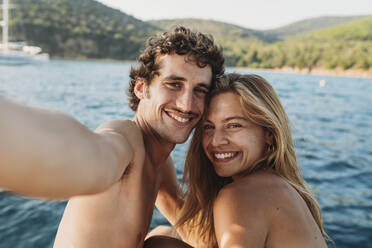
{"points": [[259, 14]]}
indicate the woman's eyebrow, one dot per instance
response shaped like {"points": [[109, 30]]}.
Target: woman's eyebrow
{"points": [[230, 118], [235, 118]]}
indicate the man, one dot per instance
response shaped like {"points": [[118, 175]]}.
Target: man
{"points": [[116, 170]]}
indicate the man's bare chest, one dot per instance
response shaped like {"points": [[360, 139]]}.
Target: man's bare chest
{"points": [[120, 215]]}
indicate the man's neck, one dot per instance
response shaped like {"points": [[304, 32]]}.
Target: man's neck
{"points": [[157, 148]]}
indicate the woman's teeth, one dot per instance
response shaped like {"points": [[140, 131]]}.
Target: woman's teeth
{"points": [[223, 155]]}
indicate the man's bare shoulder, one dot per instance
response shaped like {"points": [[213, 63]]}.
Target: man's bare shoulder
{"points": [[128, 129], [125, 138], [120, 126]]}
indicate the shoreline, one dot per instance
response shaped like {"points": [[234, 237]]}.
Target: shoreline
{"points": [[355, 73]]}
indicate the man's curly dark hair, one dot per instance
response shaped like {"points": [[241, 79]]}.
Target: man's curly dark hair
{"points": [[197, 47]]}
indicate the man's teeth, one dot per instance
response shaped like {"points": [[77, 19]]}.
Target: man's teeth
{"points": [[224, 155], [180, 119]]}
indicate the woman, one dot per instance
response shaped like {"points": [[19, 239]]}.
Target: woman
{"points": [[244, 185]]}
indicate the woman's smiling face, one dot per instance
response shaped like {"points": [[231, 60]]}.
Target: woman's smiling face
{"points": [[231, 141]]}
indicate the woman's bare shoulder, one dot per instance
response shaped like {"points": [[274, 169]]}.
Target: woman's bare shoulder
{"points": [[241, 212], [261, 192], [267, 203]]}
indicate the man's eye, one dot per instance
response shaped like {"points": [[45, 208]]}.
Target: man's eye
{"points": [[201, 91], [174, 85]]}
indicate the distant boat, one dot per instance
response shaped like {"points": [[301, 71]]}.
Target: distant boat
{"points": [[17, 53]]}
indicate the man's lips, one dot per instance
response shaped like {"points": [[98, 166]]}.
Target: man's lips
{"points": [[180, 117]]}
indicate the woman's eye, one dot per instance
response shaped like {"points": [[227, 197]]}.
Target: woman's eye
{"points": [[234, 125], [207, 127]]}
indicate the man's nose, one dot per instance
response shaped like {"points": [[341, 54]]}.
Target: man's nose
{"points": [[185, 101]]}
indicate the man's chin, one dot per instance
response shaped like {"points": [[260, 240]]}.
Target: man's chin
{"points": [[178, 139]]}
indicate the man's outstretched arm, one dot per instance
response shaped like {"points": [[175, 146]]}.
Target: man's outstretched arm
{"points": [[49, 154]]}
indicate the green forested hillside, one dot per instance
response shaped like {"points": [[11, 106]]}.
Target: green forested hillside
{"points": [[310, 24], [225, 33], [230, 37], [345, 46], [359, 30], [88, 29], [78, 28]]}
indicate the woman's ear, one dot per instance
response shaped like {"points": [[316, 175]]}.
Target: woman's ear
{"points": [[269, 138], [140, 88]]}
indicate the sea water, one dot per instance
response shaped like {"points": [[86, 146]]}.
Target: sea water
{"points": [[331, 120]]}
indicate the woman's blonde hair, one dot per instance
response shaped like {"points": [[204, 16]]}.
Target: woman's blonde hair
{"points": [[261, 105]]}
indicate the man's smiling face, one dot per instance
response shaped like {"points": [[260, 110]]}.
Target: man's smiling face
{"points": [[174, 101]]}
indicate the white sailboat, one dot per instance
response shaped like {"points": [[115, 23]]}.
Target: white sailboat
{"points": [[16, 53]]}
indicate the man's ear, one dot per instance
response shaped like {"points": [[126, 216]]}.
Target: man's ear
{"points": [[269, 137], [140, 88]]}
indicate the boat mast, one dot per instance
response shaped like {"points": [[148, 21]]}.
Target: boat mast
{"points": [[5, 25]]}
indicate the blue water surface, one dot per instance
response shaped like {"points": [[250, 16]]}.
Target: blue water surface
{"points": [[331, 128]]}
